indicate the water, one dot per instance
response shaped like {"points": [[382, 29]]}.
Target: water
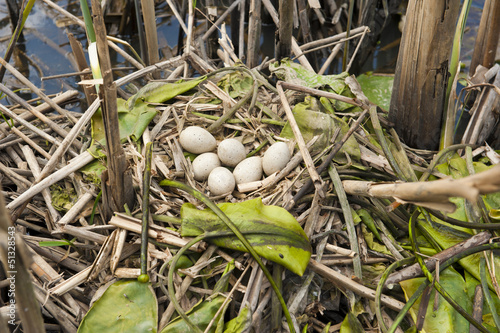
{"points": [[46, 50]]}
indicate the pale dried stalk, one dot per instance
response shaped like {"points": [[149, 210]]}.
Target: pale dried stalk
{"points": [[37, 91], [134, 225], [318, 183], [428, 193], [35, 168], [73, 212], [44, 107], [74, 165], [28, 125]]}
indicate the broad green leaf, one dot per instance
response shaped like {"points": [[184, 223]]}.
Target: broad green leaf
{"points": [[447, 236], [272, 231], [373, 244], [126, 306], [445, 319], [236, 84], [160, 92], [351, 324], [292, 72], [377, 89], [312, 122], [132, 123], [200, 315], [242, 323], [92, 172]]}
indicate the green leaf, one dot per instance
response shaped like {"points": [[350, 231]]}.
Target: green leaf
{"points": [[447, 236], [200, 315], [242, 323], [126, 306], [236, 84], [62, 198], [351, 324], [271, 230], [445, 319], [293, 72], [132, 123], [160, 92], [63, 242], [312, 122], [377, 89]]}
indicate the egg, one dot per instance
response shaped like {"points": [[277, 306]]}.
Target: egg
{"points": [[221, 181], [197, 140], [248, 170], [275, 158], [231, 152], [204, 164]]}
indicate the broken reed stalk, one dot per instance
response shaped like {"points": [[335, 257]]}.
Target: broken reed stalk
{"points": [[254, 26], [119, 191], [145, 208], [487, 36], [148, 13], [16, 267], [283, 43], [420, 80]]}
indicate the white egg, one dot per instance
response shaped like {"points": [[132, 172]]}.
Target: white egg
{"points": [[248, 170], [221, 181], [275, 158], [204, 164], [231, 152], [197, 140]]}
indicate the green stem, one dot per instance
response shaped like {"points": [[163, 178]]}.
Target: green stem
{"points": [[443, 266], [486, 293], [437, 285], [383, 143], [200, 196], [380, 286], [145, 209]]}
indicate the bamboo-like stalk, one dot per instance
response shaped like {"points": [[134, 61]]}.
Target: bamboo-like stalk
{"points": [[148, 13], [28, 307], [119, 191], [283, 42], [487, 37], [254, 22]]}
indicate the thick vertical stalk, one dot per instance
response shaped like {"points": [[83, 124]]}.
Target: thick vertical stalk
{"points": [[254, 22], [422, 71], [487, 36], [148, 13], [212, 40], [285, 29], [117, 191]]}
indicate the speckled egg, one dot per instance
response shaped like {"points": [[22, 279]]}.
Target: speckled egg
{"points": [[248, 170], [275, 158], [231, 152], [197, 140], [221, 181], [204, 164]]}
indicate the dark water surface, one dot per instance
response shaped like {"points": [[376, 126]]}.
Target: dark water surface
{"points": [[46, 49]]}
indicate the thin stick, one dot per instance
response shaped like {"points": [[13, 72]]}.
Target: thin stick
{"points": [[220, 20], [37, 91], [56, 128], [178, 16], [318, 183]]}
